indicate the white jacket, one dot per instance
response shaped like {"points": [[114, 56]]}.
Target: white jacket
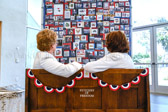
{"points": [[48, 62], [112, 60]]}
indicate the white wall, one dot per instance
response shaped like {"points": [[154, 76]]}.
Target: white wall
{"points": [[13, 16]]}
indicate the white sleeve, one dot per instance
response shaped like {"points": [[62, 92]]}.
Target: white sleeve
{"points": [[97, 66], [53, 66]]}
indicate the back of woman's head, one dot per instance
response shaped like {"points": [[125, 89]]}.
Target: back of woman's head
{"points": [[116, 41], [45, 39]]}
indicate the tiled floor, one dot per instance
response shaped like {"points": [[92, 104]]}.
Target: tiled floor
{"points": [[159, 103]]}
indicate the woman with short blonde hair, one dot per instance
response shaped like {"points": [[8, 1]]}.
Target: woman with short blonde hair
{"points": [[46, 43]]}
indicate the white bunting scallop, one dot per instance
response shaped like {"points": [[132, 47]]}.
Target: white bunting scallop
{"points": [[79, 76], [48, 89], [93, 76], [136, 80], [114, 87], [145, 72], [71, 84], [38, 83], [102, 84], [60, 90], [126, 86], [30, 74]]}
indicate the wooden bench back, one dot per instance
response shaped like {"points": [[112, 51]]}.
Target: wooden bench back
{"points": [[87, 95]]}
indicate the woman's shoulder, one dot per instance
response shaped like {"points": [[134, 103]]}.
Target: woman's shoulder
{"points": [[44, 54]]}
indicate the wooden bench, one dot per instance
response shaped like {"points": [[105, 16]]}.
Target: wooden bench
{"points": [[87, 95]]}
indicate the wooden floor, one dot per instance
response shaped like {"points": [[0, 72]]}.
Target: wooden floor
{"points": [[159, 103]]}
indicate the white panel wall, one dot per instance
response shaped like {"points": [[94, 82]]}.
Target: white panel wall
{"points": [[13, 49]]}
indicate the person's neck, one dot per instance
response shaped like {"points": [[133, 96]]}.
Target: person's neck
{"points": [[51, 52]]}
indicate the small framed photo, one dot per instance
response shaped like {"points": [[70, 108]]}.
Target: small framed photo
{"points": [[99, 17], [72, 17], [91, 11], [66, 53], [94, 31], [99, 46], [86, 73], [80, 24], [66, 6], [80, 53], [83, 45], [111, 28], [99, 24], [49, 11], [79, 59], [91, 46], [93, 24], [58, 52], [111, 23], [127, 27], [60, 34], [121, 4], [106, 18], [86, 31], [59, 42], [78, 5], [77, 38], [91, 39], [105, 12], [72, 59], [117, 14], [93, 18], [106, 29], [89, 53], [94, 5], [127, 9], [67, 24], [74, 24], [106, 5], [69, 31], [106, 23], [58, 9], [67, 39], [86, 5], [86, 18], [59, 18], [78, 31], [116, 20], [84, 38], [124, 21], [79, 17], [71, 5], [127, 33], [67, 14], [67, 46], [116, 27], [86, 24], [74, 12], [73, 53], [100, 53], [122, 9], [99, 11], [82, 12], [98, 39], [64, 60], [127, 4], [75, 45], [99, 5], [122, 27], [85, 60]]}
